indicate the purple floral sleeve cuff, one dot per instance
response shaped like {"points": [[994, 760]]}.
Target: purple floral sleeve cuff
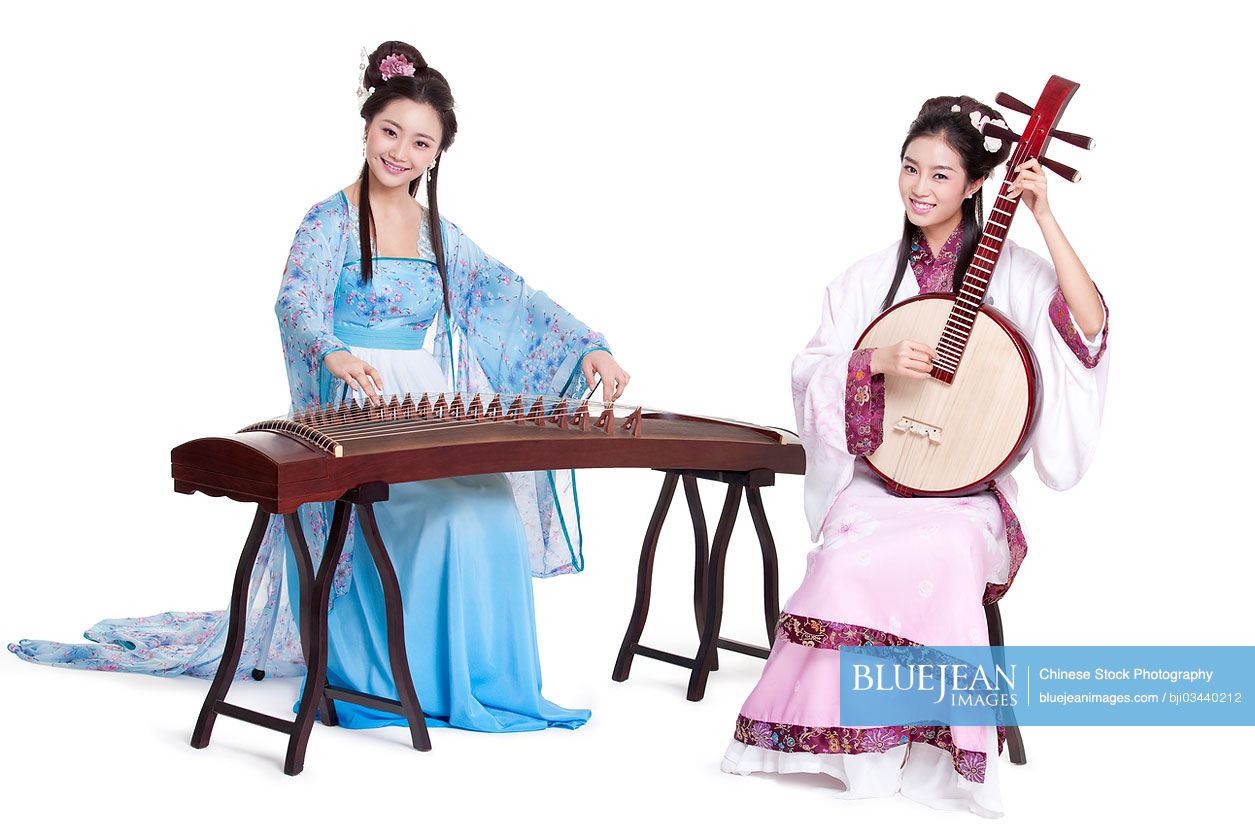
{"points": [[1065, 324], [864, 405]]}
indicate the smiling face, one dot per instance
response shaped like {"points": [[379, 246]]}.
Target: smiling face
{"points": [[933, 184], [401, 140]]}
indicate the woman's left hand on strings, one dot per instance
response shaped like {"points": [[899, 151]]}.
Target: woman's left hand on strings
{"points": [[1030, 181], [613, 378]]}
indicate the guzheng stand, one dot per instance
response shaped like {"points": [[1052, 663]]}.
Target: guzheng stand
{"points": [[708, 573], [315, 595], [348, 453]]}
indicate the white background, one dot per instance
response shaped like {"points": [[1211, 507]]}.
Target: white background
{"points": [[685, 177]]}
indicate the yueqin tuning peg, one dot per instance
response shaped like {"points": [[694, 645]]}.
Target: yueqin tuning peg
{"points": [[1067, 172], [1079, 140], [1064, 171], [1009, 101], [1012, 103]]}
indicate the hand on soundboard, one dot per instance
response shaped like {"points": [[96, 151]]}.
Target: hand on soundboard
{"points": [[360, 375], [905, 359]]}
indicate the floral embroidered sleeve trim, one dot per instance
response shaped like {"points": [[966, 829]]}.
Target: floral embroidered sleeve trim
{"points": [[845, 740], [1017, 545], [864, 405], [1061, 316]]}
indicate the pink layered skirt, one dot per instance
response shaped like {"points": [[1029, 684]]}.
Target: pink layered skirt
{"points": [[890, 571]]}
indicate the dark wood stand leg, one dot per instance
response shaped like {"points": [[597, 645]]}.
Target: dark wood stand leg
{"points": [[236, 618], [408, 697], [644, 581], [771, 569], [708, 574], [316, 667], [704, 662], [701, 549], [305, 581], [1015, 743], [315, 596]]}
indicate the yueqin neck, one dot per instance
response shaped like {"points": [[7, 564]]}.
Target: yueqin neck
{"points": [[975, 286]]}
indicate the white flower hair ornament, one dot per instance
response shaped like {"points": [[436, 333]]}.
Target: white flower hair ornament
{"points": [[992, 143]]}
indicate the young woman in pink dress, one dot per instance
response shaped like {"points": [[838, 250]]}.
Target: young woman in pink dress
{"points": [[893, 570]]}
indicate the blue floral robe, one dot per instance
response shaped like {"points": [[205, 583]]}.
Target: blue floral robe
{"points": [[501, 337]]}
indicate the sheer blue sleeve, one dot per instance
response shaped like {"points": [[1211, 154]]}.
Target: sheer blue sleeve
{"points": [[306, 300], [524, 341]]}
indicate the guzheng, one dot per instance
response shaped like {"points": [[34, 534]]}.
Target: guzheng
{"points": [[972, 420], [319, 454], [351, 452]]}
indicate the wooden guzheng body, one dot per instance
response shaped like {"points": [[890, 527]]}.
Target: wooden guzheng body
{"points": [[318, 455], [349, 454]]}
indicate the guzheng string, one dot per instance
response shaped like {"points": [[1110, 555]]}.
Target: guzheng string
{"points": [[374, 421], [364, 416], [361, 425]]}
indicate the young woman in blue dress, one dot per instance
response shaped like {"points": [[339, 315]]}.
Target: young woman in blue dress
{"points": [[461, 545], [381, 296]]}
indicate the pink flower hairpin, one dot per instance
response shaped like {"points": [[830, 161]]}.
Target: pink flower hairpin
{"points": [[395, 65]]}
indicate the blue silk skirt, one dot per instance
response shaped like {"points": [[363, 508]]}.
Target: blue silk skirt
{"points": [[461, 558]]}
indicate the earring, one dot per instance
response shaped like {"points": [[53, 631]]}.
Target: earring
{"points": [[363, 146]]}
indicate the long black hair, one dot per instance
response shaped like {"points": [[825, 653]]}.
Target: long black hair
{"points": [[426, 86], [950, 118]]}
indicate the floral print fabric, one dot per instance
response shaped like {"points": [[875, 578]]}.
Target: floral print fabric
{"points": [[504, 337], [935, 273]]}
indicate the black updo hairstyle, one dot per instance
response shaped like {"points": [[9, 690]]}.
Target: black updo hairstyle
{"points": [[939, 118], [426, 86]]}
